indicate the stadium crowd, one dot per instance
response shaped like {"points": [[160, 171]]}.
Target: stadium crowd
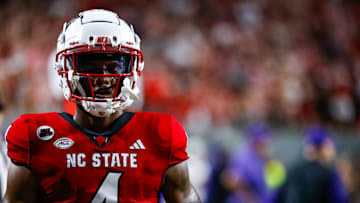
{"points": [[212, 63], [286, 61]]}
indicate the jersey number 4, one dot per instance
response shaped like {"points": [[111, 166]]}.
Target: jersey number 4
{"points": [[108, 191]]}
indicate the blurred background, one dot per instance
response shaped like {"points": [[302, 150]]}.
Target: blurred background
{"points": [[217, 66]]}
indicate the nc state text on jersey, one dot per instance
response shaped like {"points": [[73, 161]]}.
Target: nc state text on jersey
{"points": [[102, 160]]}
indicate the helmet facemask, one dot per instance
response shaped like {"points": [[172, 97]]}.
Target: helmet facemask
{"points": [[99, 76], [101, 80]]}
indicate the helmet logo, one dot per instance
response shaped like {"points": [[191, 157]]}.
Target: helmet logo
{"points": [[45, 132], [64, 143], [102, 39]]}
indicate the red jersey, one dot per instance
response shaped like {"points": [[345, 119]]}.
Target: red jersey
{"points": [[126, 163]]}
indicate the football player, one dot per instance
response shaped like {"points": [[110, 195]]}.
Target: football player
{"points": [[102, 153]]}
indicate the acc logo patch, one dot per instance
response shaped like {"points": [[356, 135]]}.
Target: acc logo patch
{"points": [[45, 132], [63, 143]]}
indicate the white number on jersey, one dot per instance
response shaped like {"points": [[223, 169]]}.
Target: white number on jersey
{"points": [[108, 191]]}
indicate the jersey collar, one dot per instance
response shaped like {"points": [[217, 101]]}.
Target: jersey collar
{"points": [[107, 134]]}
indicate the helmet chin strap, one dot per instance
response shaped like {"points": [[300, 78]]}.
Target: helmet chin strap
{"points": [[98, 109], [105, 109]]}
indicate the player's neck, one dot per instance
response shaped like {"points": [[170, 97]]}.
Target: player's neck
{"points": [[95, 124]]}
